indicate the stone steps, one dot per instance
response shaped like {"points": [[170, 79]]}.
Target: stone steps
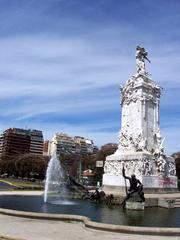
{"points": [[169, 202], [177, 203]]}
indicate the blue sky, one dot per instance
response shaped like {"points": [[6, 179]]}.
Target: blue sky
{"points": [[62, 61]]}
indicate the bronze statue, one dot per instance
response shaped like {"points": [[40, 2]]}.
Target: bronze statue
{"points": [[141, 55], [135, 191]]}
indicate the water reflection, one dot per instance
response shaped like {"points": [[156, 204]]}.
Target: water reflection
{"points": [[135, 216]]}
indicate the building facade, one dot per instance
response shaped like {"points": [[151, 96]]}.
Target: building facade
{"points": [[63, 143], [36, 144], [15, 141], [45, 148], [1, 144]]}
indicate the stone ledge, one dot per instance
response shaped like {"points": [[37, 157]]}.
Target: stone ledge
{"points": [[9, 238], [119, 156], [94, 225], [166, 203]]}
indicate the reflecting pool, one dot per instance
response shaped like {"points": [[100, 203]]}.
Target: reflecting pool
{"points": [[150, 217]]}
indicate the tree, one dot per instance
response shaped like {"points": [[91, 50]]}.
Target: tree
{"points": [[106, 150], [31, 165], [88, 162], [7, 165], [101, 155], [176, 156], [70, 163]]}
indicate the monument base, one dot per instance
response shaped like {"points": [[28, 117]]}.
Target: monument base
{"points": [[134, 205], [151, 184], [144, 166]]}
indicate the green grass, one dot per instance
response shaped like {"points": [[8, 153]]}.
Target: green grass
{"points": [[23, 184]]}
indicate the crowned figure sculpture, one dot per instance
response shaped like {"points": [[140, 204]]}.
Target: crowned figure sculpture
{"points": [[140, 148]]}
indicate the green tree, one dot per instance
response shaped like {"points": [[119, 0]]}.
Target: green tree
{"points": [[176, 156], [106, 150], [31, 165]]}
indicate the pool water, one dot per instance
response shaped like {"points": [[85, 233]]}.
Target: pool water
{"points": [[150, 217]]}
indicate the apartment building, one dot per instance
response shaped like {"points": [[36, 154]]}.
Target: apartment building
{"points": [[1, 144], [36, 143], [20, 141], [63, 143], [15, 141], [81, 144], [46, 148]]}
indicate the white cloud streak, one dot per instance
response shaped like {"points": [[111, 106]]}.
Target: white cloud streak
{"points": [[42, 68]]}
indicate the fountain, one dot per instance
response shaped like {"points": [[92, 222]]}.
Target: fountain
{"points": [[54, 178], [55, 191]]}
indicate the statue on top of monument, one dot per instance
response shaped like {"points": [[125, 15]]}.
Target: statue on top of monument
{"points": [[141, 55]]}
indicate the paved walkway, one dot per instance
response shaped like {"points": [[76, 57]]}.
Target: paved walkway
{"points": [[25, 193], [28, 229], [152, 195]]}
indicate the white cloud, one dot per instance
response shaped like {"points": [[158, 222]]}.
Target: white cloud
{"points": [[44, 67]]}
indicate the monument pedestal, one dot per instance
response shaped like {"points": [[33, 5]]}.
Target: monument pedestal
{"points": [[151, 184], [134, 205], [159, 184], [144, 166]]}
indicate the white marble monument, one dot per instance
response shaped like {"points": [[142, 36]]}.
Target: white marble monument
{"points": [[140, 149]]}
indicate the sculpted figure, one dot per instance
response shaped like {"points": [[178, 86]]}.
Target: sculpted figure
{"points": [[160, 164], [141, 55], [135, 191], [133, 181], [172, 168]]}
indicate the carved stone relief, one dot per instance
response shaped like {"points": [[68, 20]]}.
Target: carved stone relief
{"points": [[147, 167], [172, 168], [131, 142], [129, 92], [165, 165], [134, 166]]}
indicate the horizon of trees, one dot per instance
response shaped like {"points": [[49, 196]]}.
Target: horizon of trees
{"points": [[34, 166]]}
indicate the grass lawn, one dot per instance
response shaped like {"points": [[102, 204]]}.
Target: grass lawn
{"points": [[24, 184]]}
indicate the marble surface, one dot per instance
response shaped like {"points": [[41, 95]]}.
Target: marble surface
{"points": [[140, 147]]}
